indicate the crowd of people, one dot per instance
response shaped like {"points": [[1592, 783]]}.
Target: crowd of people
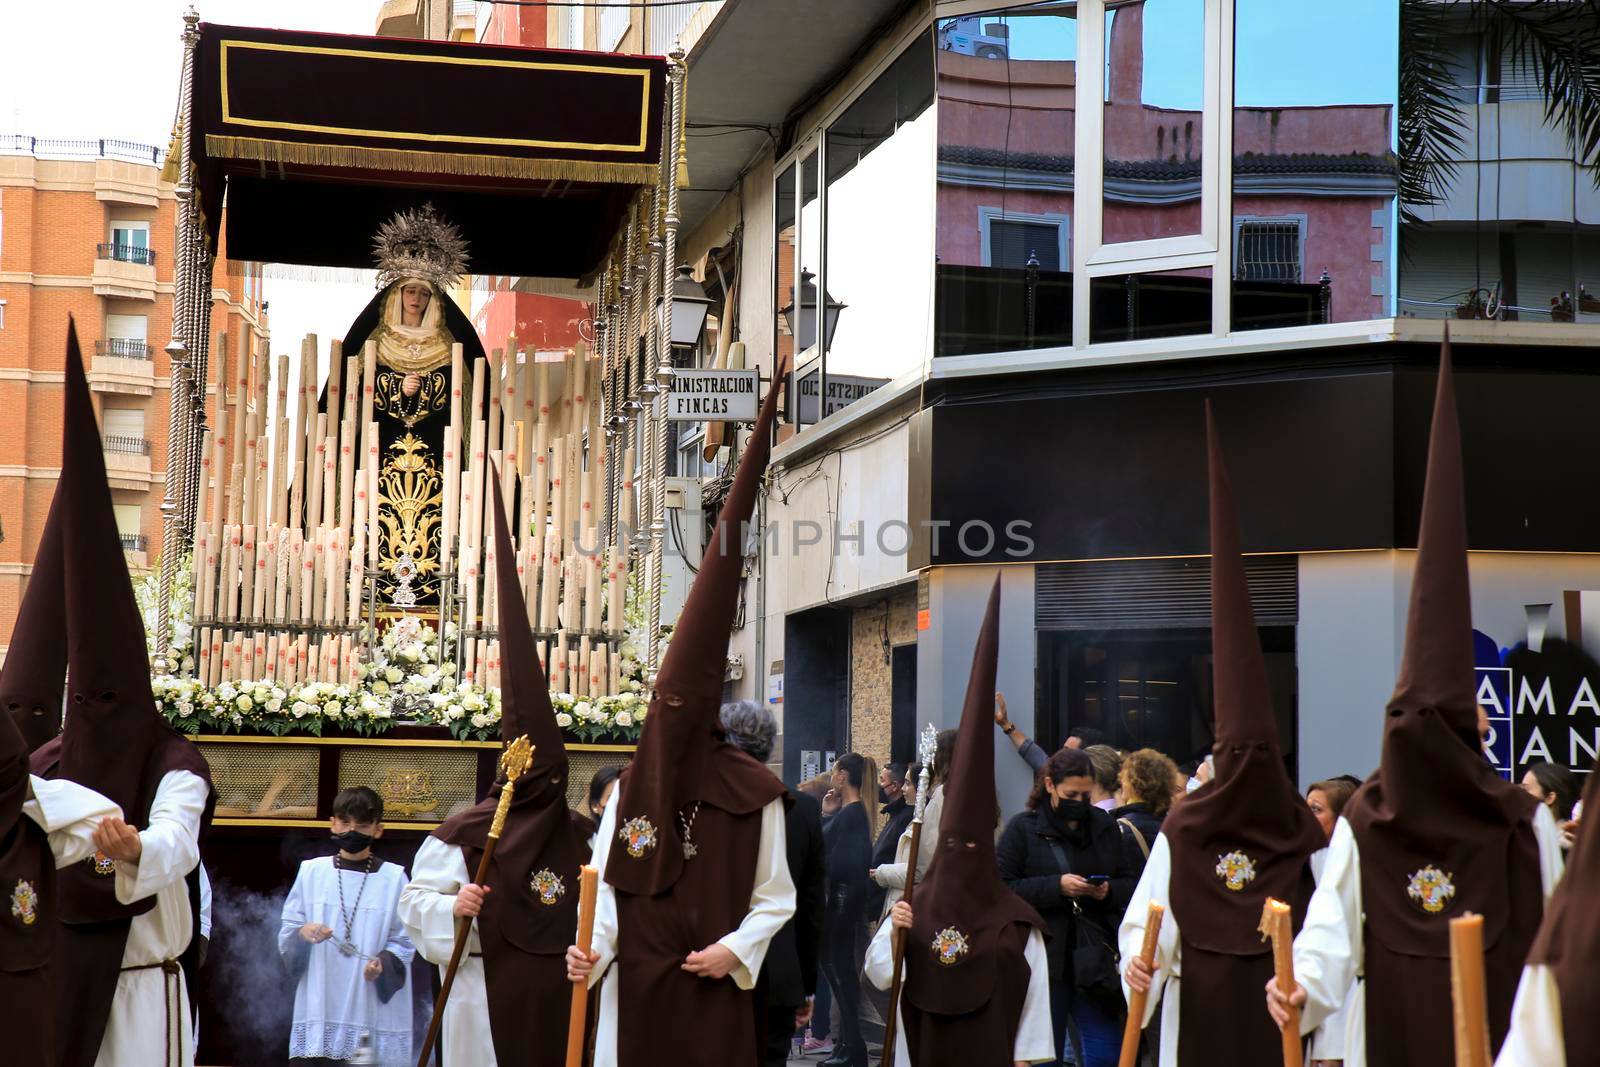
{"points": [[746, 922]]}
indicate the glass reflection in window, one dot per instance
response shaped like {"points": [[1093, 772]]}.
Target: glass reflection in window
{"points": [[1154, 119], [1512, 228], [1007, 92], [784, 254], [1131, 307], [1314, 173], [877, 308]]}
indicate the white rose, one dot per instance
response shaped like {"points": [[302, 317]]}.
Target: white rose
{"points": [[333, 710], [278, 694], [563, 720], [361, 670], [480, 721], [624, 719], [411, 653], [245, 703], [226, 691], [454, 711], [393, 674], [583, 710], [380, 687], [369, 703]]}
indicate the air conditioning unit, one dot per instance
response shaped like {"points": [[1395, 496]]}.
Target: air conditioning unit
{"points": [[682, 544]]}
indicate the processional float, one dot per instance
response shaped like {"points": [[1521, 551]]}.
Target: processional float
{"points": [[299, 134]]}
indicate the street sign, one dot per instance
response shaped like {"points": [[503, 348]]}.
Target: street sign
{"points": [[713, 395]]}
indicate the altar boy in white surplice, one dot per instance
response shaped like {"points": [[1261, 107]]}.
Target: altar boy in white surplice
{"points": [[342, 937]]}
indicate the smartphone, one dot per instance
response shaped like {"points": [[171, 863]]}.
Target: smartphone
{"points": [[1097, 879]]}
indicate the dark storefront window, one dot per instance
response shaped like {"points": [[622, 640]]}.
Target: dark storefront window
{"points": [[1500, 205], [1007, 92], [1314, 171], [1149, 689]]}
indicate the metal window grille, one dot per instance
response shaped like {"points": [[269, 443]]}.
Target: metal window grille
{"points": [[1268, 251], [1012, 241], [130, 446], [134, 542], [1157, 593]]}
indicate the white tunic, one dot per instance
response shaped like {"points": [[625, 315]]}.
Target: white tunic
{"points": [[150, 1012], [334, 1002], [437, 873], [1034, 1044], [1535, 1039], [1328, 950], [69, 814], [772, 903], [1155, 886]]}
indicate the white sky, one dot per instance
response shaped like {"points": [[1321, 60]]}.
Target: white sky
{"points": [[110, 68]]}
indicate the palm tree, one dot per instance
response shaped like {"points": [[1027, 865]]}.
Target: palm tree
{"points": [[1556, 41]]}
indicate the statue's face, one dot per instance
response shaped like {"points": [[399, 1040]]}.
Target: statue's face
{"points": [[414, 297]]}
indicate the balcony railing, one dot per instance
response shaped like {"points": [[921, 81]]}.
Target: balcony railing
{"points": [[134, 542], [127, 446], [122, 347], [127, 254], [103, 148]]}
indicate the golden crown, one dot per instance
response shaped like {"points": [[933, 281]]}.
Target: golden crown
{"points": [[420, 244]]}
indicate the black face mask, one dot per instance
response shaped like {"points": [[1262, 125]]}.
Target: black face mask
{"points": [[883, 795], [353, 841], [1072, 810]]}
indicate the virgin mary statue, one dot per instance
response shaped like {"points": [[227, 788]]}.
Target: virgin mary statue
{"points": [[414, 322]]}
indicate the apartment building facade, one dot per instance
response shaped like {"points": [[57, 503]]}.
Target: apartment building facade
{"points": [[86, 230]]}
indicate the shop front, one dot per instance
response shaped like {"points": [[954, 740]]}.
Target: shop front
{"points": [[1097, 478]]}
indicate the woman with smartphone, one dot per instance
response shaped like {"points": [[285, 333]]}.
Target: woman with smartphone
{"points": [[1073, 863]]}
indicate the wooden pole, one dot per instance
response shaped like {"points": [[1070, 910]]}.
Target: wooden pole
{"points": [[517, 758], [1138, 1000], [891, 1020], [1467, 991], [588, 885], [1275, 924]]}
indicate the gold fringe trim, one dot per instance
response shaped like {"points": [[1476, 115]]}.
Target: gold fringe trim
{"points": [[322, 155]]}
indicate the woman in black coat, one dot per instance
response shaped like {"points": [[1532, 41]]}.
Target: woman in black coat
{"points": [[1074, 864], [847, 841], [1145, 785]]}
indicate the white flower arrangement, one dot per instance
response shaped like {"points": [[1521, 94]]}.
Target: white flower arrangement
{"points": [[411, 680]]}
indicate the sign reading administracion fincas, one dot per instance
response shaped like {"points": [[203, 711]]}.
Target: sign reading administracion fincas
{"points": [[720, 395]]}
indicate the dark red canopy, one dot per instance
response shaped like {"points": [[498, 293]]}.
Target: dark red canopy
{"points": [[317, 138]]}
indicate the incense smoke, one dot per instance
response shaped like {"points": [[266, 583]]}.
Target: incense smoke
{"points": [[245, 975]]}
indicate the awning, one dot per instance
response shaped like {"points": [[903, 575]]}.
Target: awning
{"points": [[317, 138]]}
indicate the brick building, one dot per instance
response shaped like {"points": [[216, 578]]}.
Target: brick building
{"points": [[86, 228]]}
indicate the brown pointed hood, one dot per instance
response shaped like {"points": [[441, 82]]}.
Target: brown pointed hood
{"points": [[1569, 939], [962, 901], [30, 692], [1250, 824], [26, 865], [35, 671], [1434, 800], [682, 756], [527, 922], [114, 740]]}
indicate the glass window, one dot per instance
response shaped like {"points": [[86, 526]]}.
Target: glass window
{"points": [[785, 254], [1314, 172], [1500, 205], [1153, 135], [877, 302], [1132, 307], [1007, 84]]}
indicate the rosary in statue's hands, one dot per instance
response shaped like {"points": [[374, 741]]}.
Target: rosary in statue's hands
{"points": [[118, 840], [412, 383]]}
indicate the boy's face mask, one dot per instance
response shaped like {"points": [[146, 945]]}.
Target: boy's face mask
{"points": [[353, 841]]}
